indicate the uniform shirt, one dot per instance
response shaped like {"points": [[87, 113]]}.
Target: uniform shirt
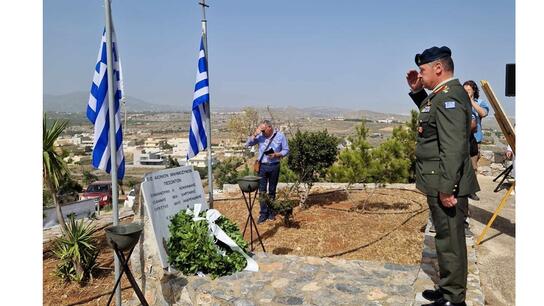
{"points": [[478, 134], [442, 150], [279, 144]]}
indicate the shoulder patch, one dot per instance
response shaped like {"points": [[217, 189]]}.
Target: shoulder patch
{"points": [[449, 104]]}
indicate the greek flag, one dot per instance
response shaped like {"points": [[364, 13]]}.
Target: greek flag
{"points": [[198, 139], [98, 112]]}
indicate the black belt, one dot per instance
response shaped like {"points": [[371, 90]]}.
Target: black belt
{"points": [[270, 164]]}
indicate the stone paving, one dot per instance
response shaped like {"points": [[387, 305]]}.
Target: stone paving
{"points": [[293, 280]]}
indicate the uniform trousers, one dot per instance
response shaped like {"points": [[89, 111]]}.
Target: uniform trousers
{"points": [[451, 247]]}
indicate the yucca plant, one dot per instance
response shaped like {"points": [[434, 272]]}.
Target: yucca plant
{"points": [[77, 251]]}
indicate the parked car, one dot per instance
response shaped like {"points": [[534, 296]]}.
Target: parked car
{"points": [[131, 196], [100, 190]]}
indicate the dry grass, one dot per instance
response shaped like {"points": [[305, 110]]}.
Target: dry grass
{"points": [[388, 229]]}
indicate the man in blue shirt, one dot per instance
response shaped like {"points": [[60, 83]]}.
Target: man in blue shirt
{"points": [[274, 143]]}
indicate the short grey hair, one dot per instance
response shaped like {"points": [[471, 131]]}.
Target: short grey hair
{"points": [[266, 122], [447, 63]]}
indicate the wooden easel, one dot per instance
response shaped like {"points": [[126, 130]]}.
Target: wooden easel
{"points": [[509, 134]]}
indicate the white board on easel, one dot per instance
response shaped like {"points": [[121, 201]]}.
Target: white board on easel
{"points": [[505, 125]]}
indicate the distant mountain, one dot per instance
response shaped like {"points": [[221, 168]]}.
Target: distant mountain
{"points": [[76, 102], [317, 112]]}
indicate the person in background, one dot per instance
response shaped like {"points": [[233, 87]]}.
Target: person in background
{"points": [[510, 156], [480, 110], [274, 143]]}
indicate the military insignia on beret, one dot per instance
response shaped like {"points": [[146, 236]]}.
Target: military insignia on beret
{"points": [[449, 104]]}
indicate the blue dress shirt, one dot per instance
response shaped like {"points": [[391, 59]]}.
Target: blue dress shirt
{"points": [[279, 144], [478, 134]]}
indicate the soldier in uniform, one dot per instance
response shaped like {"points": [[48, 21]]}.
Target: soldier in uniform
{"points": [[443, 167]]}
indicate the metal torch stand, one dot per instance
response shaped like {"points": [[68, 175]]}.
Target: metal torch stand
{"points": [[505, 175], [249, 204], [124, 268]]}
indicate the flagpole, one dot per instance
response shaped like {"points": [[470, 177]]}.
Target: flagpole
{"points": [[208, 111], [113, 149]]}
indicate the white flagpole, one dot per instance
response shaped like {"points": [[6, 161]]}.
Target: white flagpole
{"points": [[113, 149], [208, 110]]}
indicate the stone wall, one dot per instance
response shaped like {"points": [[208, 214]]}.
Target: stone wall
{"points": [[234, 189]]}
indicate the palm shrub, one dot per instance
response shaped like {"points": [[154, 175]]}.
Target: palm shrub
{"points": [[77, 251], [54, 167]]}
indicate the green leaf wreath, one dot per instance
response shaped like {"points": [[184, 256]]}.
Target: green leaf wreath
{"points": [[191, 249]]}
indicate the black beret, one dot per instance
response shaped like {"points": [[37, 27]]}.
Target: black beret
{"points": [[432, 54]]}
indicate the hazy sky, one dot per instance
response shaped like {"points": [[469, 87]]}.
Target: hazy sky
{"points": [[351, 54]]}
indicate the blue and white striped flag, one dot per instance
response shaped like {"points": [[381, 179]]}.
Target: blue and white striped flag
{"points": [[198, 139], [98, 109]]}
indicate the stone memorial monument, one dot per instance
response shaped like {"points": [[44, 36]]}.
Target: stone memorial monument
{"points": [[165, 193]]}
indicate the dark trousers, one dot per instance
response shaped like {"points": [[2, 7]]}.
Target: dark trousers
{"points": [[270, 174], [451, 247]]}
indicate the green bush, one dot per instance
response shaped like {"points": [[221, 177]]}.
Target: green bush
{"points": [[246, 171], [310, 156], [393, 161], [203, 172], [353, 165], [225, 172], [283, 205], [171, 162], [77, 251], [191, 249], [286, 175]]}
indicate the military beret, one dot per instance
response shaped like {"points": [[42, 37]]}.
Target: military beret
{"points": [[432, 54]]}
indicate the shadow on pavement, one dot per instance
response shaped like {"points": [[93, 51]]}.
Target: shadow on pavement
{"points": [[501, 224]]}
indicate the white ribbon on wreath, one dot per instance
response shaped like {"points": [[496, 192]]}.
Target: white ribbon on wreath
{"points": [[219, 234]]}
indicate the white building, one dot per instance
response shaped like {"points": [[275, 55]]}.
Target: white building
{"points": [[148, 159], [201, 160], [385, 121]]}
